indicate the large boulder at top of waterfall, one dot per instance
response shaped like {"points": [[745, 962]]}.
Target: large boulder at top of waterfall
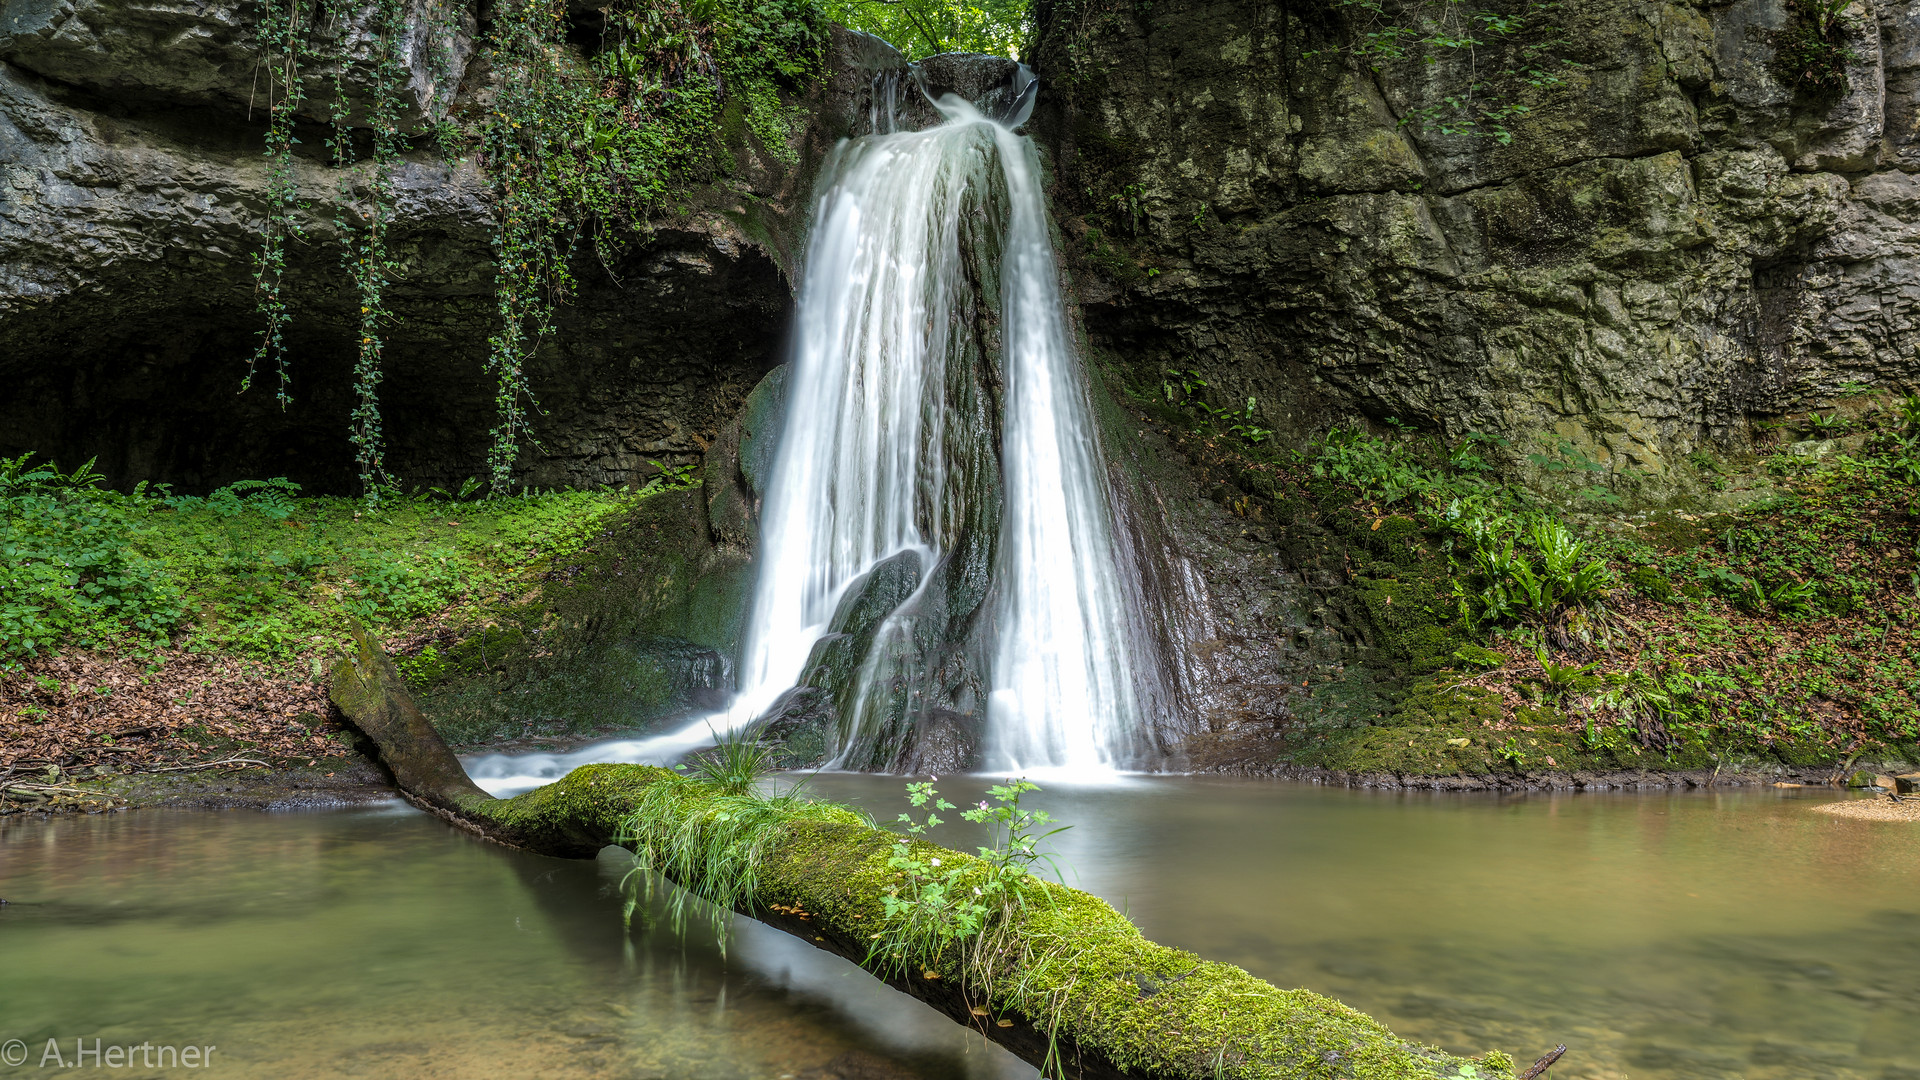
{"points": [[992, 83]]}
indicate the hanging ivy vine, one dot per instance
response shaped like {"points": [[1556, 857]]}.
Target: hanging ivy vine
{"points": [[583, 145], [591, 149], [363, 223], [282, 38], [522, 136]]}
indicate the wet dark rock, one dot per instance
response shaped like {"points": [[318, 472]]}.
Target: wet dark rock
{"points": [[801, 724], [875, 595], [993, 83], [836, 663], [943, 740], [696, 677], [739, 462]]}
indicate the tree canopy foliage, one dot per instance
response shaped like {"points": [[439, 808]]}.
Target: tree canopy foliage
{"points": [[924, 27]]}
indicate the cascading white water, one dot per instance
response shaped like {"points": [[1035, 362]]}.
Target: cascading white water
{"points": [[861, 472], [870, 463], [1063, 692]]}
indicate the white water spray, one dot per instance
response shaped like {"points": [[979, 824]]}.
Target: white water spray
{"points": [[874, 449]]}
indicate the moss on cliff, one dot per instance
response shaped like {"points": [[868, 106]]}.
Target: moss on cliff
{"points": [[639, 623], [1720, 637]]}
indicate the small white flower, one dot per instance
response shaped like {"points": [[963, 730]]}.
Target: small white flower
{"points": [[935, 862]]}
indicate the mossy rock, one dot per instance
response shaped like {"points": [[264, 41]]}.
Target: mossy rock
{"points": [[644, 626], [1651, 583], [1413, 626]]}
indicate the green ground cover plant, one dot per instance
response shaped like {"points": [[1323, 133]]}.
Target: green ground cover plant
{"points": [[258, 571], [1520, 627]]}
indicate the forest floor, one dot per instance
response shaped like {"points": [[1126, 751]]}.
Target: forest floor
{"points": [[1765, 630], [187, 639]]}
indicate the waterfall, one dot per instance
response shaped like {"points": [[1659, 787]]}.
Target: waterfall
{"points": [[935, 538], [864, 470], [1063, 695]]}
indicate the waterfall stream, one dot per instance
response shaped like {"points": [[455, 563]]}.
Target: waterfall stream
{"points": [[935, 542]]}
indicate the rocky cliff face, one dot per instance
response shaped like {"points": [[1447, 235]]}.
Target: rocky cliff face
{"points": [[132, 196], [1674, 243], [1675, 246]]}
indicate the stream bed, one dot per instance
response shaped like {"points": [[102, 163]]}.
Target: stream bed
{"points": [[1716, 934]]}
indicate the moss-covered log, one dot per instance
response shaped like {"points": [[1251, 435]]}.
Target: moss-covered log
{"points": [[1074, 987]]}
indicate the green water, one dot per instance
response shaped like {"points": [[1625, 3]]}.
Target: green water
{"points": [[1659, 936], [384, 944]]}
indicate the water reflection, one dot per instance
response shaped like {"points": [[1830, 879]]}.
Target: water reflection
{"points": [[1721, 934], [1660, 936], [382, 943]]}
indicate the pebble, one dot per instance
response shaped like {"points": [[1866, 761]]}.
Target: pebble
{"points": [[1874, 809]]}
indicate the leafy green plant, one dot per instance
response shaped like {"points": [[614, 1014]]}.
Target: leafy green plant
{"points": [[1910, 414], [1827, 424], [669, 477], [1510, 569], [1559, 680], [1813, 50], [936, 908], [1791, 597], [1511, 753], [1182, 388], [66, 569], [271, 499], [735, 764], [468, 489]]}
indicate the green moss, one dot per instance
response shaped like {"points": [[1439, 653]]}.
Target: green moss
{"points": [[1651, 583], [264, 574], [1477, 657], [629, 630], [1064, 962]]}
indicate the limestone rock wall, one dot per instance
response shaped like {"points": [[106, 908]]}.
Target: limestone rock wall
{"points": [[132, 196], [1673, 244]]}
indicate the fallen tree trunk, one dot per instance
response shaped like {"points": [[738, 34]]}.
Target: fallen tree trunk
{"points": [[1074, 987]]}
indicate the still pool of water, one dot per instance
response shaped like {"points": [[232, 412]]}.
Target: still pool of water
{"points": [[1722, 934]]}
